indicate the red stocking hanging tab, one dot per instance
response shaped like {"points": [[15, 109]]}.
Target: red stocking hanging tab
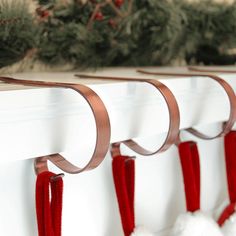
{"points": [[189, 157], [227, 219], [193, 222], [123, 168], [123, 175], [49, 205]]}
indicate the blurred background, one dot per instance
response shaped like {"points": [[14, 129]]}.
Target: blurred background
{"points": [[67, 34]]}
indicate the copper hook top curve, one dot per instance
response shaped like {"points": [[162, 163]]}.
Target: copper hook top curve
{"points": [[102, 127], [227, 88], [173, 110], [208, 70]]}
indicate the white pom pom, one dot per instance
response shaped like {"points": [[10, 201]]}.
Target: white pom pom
{"points": [[141, 231], [229, 227], [195, 224]]}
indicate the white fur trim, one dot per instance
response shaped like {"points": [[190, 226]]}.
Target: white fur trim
{"points": [[141, 231], [229, 227], [195, 224]]}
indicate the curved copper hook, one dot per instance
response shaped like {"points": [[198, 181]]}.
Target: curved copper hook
{"points": [[102, 127], [229, 91], [172, 108], [205, 70]]}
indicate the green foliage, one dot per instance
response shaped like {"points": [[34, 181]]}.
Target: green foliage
{"points": [[65, 38], [153, 33], [160, 26], [210, 32], [17, 32]]}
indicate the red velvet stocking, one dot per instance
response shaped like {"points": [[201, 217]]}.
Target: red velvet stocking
{"points": [[190, 164], [49, 211], [124, 179], [230, 160]]}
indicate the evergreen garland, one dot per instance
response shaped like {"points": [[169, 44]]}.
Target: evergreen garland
{"points": [[210, 33], [17, 32], [148, 36], [121, 33]]}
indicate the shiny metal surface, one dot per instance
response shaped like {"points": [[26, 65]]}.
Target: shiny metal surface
{"points": [[229, 91], [102, 127], [173, 109]]}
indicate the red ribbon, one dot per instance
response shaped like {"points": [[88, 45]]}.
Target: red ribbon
{"points": [[123, 168], [230, 161], [49, 206], [124, 179], [190, 163]]}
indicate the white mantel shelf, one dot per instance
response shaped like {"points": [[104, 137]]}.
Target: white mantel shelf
{"points": [[40, 121]]}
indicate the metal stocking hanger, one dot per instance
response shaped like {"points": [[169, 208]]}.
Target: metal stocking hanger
{"points": [[227, 126], [200, 69], [102, 127], [227, 88], [174, 116]]}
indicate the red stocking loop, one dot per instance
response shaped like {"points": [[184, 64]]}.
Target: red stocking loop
{"points": [[124, 176], [49, 206], [230, 161], [190, 163]]}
